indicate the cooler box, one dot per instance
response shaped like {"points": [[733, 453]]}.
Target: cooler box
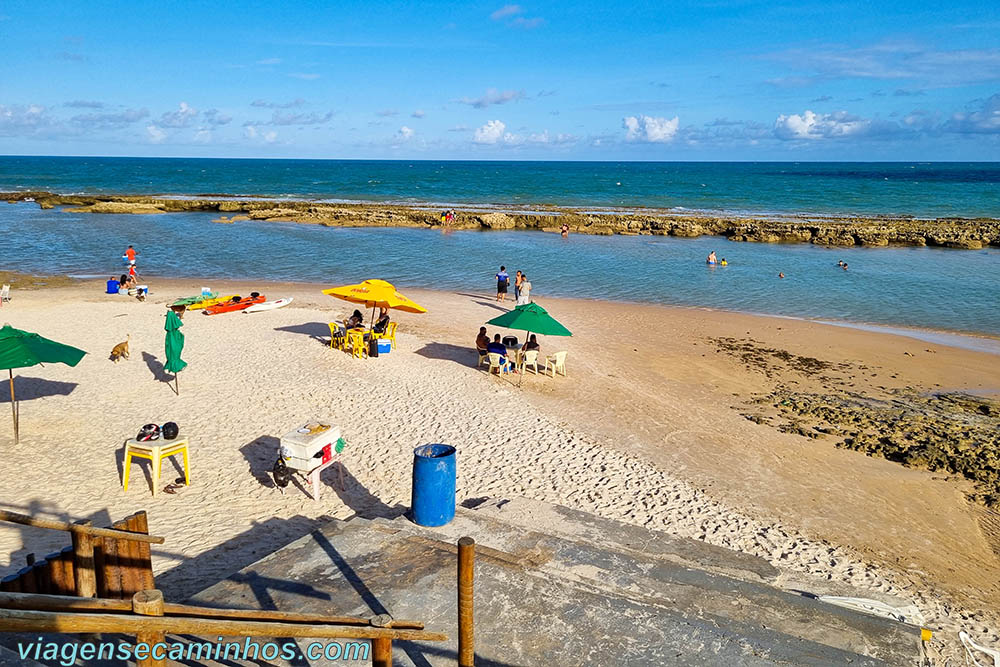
{"points": [[206, 291], [143, 289], [310, 445], [384, 346], [510, 341]]}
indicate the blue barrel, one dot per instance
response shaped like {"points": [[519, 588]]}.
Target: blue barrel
{"points": [[112, 286], [433, 496]]}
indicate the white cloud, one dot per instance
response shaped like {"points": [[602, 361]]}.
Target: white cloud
{"points": [[251, 132], [278, 118], [180, 118], [419, 113], [156, 135], [649, 129], [505, 11], [269, 61], [526, 23], [109, 121], [305, 76], [385, 113], [404, 134], [490, 133], [812, 125], [985, 120], [84, 104], [216, 117], [297, 102], [203, 135], [493, 96], [17, 119]]}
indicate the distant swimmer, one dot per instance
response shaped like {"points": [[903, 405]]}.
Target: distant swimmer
{"points": [[781, 275], [564, 231], [840, 263], [844, 266], [711, 258], [723, 262]]}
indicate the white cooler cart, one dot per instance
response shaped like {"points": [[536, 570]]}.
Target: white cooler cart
{"points": [[309, 450]]}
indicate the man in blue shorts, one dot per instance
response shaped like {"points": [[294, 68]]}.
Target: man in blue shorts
{"points": [[502, 280]]}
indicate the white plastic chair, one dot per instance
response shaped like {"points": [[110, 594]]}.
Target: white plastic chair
{"points": [[556, 363], [496, 365], [5, 293], [530, 358]]}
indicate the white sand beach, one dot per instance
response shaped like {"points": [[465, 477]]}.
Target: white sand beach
{"points": [[646, 429]]}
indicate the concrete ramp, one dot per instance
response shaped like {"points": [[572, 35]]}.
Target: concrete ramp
{"points": [[560, 587]]}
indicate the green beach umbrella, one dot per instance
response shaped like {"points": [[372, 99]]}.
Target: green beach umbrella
{"points": [[174, 344], [532, 318], [21, 349]]}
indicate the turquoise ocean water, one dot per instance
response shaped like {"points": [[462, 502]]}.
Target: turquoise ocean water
{"points": [[933, 288]]}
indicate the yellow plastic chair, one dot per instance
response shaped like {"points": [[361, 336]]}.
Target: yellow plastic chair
{"points": [[389, 334], [557, 363], [530, 358], [337, 337], [356, 339], [483, 358], [155, 451]]}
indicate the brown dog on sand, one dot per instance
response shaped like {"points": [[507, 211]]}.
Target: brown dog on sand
{"points": [[120, 350]]}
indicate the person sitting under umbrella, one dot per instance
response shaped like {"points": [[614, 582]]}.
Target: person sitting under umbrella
{"points": [[482, 342], [382, 323], [355, 320], [530, 344], [496, 347]]}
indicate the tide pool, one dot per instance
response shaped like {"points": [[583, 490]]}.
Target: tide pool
{"points": [[933, 288]]}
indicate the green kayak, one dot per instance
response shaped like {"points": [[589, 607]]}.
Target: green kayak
{"points": [[190, 300]]}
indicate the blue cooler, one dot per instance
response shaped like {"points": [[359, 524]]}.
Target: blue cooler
{"points": [[384, 346], [432, 500]]}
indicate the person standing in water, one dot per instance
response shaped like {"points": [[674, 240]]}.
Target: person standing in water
{"points": [[711, 258], [518, 279], [524, 294], [564, 231], [502, 280], [130, 255]]}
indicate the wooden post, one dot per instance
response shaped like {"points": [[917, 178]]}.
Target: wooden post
{"points": [[27, 578], [84, 573], [112, 572], [381, 653], [145, 566], [128, 558], [42, 572], [466, 563], [149, 603]]}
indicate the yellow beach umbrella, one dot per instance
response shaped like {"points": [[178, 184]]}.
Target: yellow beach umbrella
{"points": [[375, 293]]}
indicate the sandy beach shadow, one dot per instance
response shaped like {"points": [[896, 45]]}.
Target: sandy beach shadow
{"points": [[156, 368], [260, 455], [319, 331], [28, 388], [482, 301], [467, 356]]}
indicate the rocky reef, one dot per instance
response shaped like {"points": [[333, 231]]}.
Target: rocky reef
{"points": [[834, 231], [946, 432]]}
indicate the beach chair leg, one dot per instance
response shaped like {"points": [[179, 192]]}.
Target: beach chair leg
{"points": [[157, 462], [314, 483], [125, 470], [187, 468]]}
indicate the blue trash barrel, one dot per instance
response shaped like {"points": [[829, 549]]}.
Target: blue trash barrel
{"points": [[112, 286], [433, 496]]}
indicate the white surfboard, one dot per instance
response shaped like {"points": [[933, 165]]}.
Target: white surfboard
{"points": [[268, 305]]}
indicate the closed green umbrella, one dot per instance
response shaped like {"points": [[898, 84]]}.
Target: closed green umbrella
{"points": [[174, 344], [20, 349]]}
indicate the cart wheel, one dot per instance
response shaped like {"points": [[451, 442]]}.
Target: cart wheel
{"points": [[281, 473]]}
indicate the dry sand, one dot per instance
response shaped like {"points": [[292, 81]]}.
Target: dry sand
{"points": [[647, 429]]}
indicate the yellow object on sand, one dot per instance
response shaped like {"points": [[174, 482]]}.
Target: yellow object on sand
{"points": [[374, 293], [210, 302], [155, 451]]}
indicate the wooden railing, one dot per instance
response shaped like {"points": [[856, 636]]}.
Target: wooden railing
{"points": [[101, 562], [103, 583]]}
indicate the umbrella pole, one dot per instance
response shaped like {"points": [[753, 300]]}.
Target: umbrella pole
{"points": [[13, 407], [177, 383]]}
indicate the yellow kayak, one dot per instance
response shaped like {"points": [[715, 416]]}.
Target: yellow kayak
{"points": [[210, 302]]}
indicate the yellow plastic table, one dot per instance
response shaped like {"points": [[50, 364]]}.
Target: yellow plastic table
{"points": [[155, 451]]}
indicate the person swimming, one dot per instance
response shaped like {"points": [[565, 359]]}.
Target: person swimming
{"points": [[711, 258], [723, 262], [781, 275]]}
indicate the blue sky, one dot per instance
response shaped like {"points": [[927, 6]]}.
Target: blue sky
{"points": [[719, 80]]}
